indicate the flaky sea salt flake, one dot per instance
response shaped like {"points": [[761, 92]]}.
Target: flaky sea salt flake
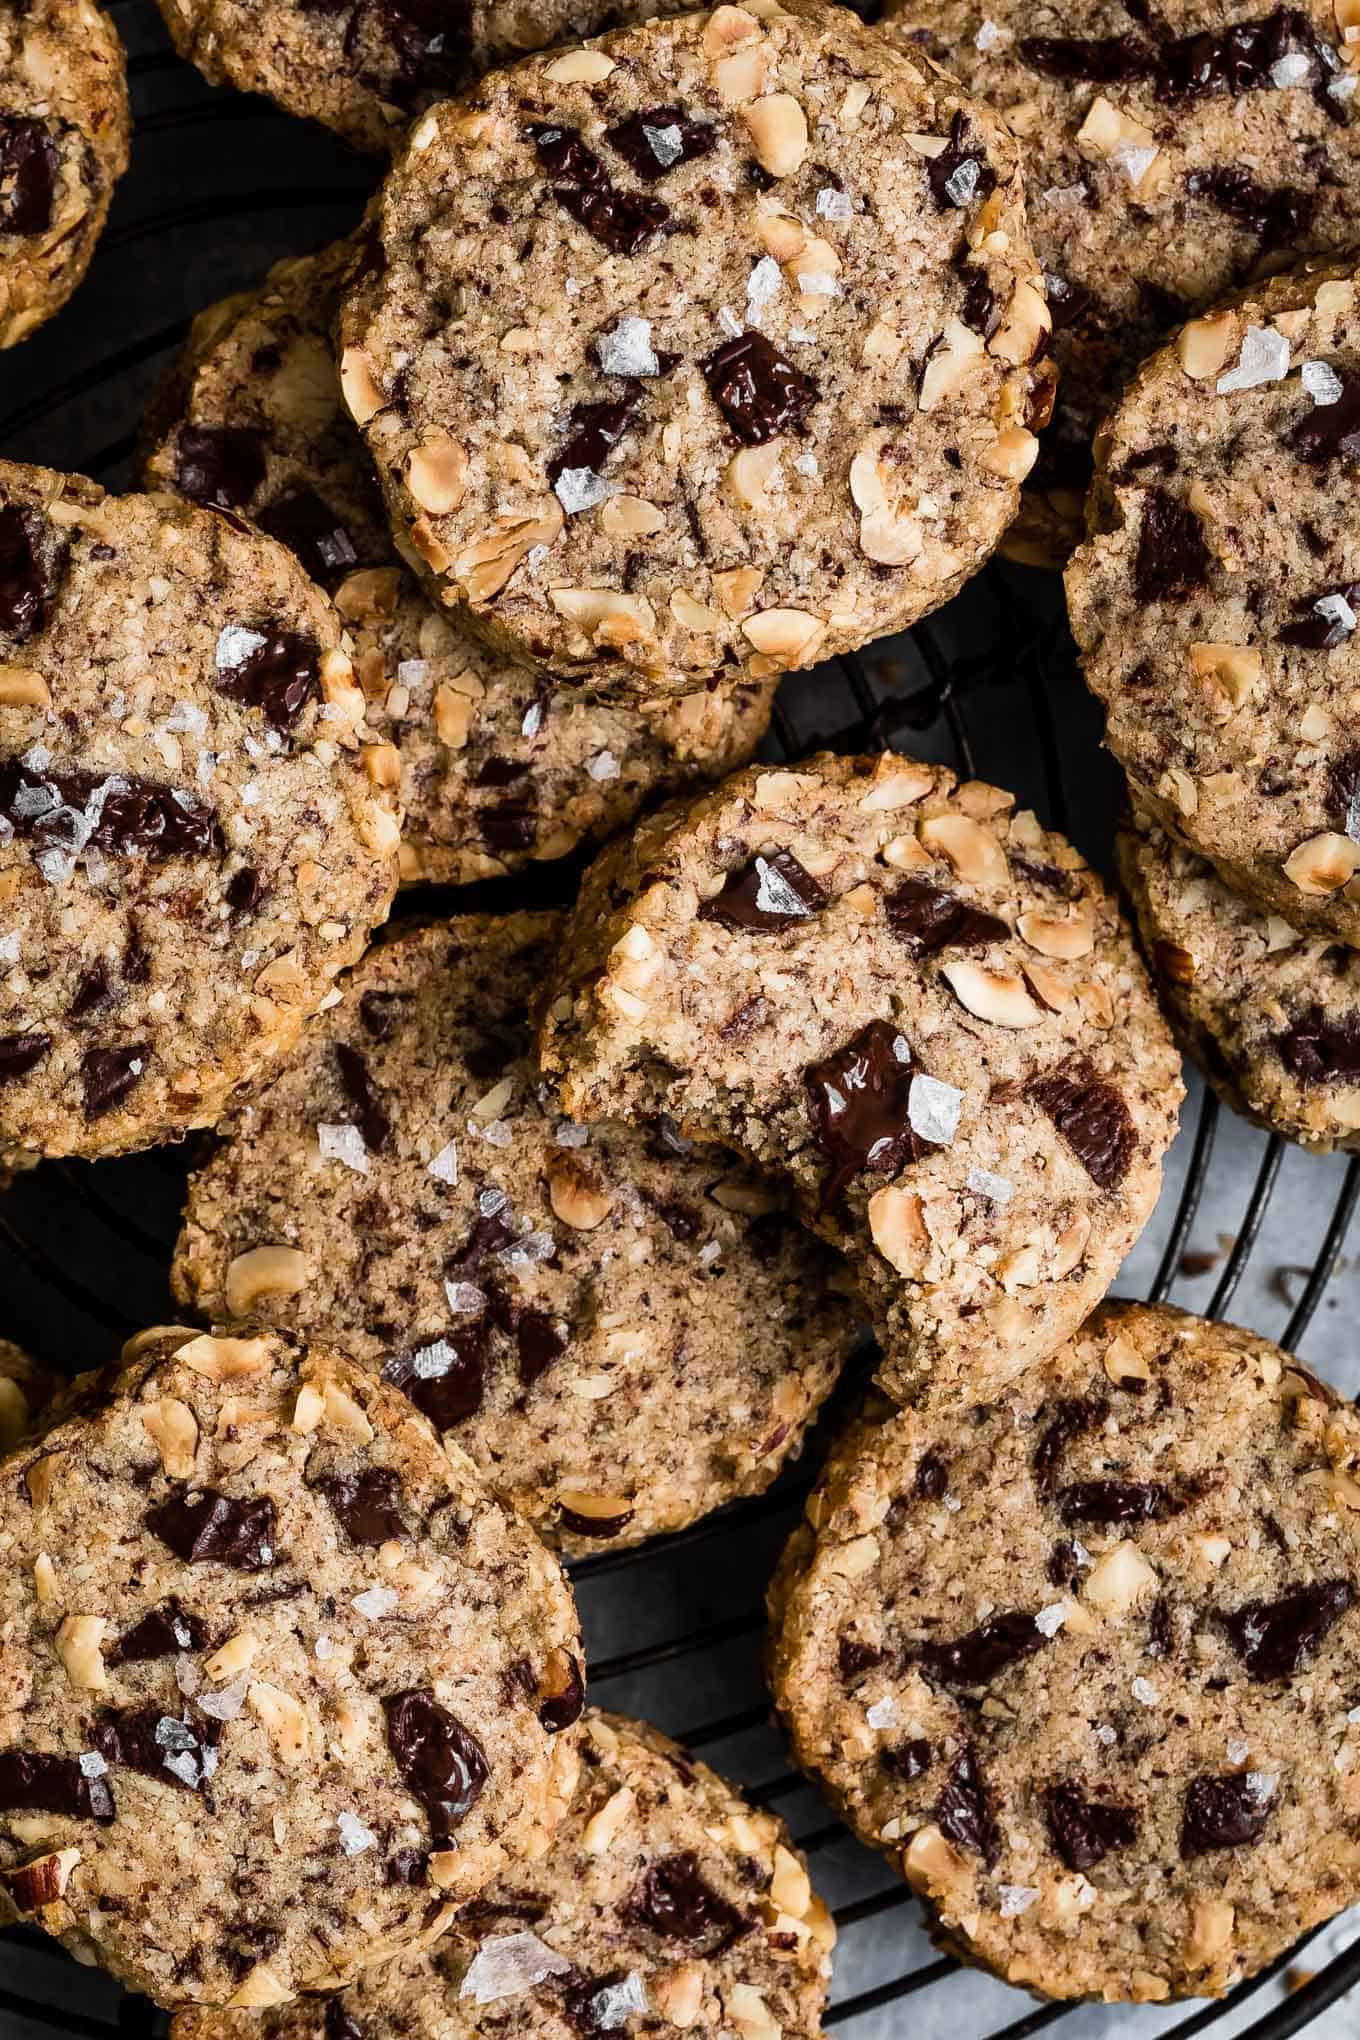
{"points": [[765, 281], [508, 1964], [1050, 1620], [834, 204], [580, 489], [983, 1183], [933, 1109], [465, 1299], [444, 1167], [1016, 1899], [1293, 68], [1144, 1692], [962, 185], [884, 1713], [614, 2003], [374, 1603], [626, 349], [236, 644], [1264, 359], [344, 1144], [604, 765]]}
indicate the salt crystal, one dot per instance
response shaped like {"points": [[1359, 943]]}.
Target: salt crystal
{"points": [[432, 1362], [614, 2003], [1337, 613], [565, 1135], [764, 282], [667, 144], [627, 349], [1343, 85], [983, 1183], [884, 1713], [344, 1144], [729, 322], [1016, 1899], [535, 1246], [9, 948], [709, 1252], [187, 1675], [1322, 382], [1050, 1620], [410, 672], [535, 557], [933, 1109], [1135, 162], [1105, 1734], [489, 1202], [92, 1765], [187, 718], [354, 1836], [1294, 68], [184, 1766], [1261, 1784], [953, 1504], [533, 720], [806, 464], [833, 204], [207, 766], [816, 283], [1264, 359], [963, 184], [250, 793], [1239, 1749], [901, 1048], [1144, 1692], [235, 645], [604, 765], [37, 758], [801, 335], [507, 1964], [444, 1167], [496, 1133], [225, 1705], [580, 489], [774, 894], [324, 1648], [987, 37], [465, 1299], [374, 1602], [1353, 1717]]}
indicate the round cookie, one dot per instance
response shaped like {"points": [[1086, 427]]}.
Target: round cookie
{"points": [[1215, 602], [1086, 1665], [1171, 154], [666, 1902], [710, 406], [65, 126], [24, 1388], [497, 769], [621, 1335], [919, 1005], [194, 840], [283, 1686], [1272, 1016]]}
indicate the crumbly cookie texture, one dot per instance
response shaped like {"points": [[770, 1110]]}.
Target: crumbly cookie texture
{"points": [[1271, 1015], [498, 769], [1170, 156], [1122, 1762], [64, 132], [24, 1388], [665, 1903], [194, 837], [621, 1333], [364, 67], [745, 373], [281, 1686], [1215, 601], [915, 1002]]}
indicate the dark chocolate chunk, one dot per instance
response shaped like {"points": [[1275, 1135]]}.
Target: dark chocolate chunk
{"points": [[766, 896], [428, 43], [363, 1095], [1083, 1831], [219, 465], [959, 175], [1237, 59], [118, 813], [932, 1477], [558, 1710], [165, 1631], [207, 1527], [854, 1658], [624, 221], [338, 2021], [446, 1380], [440, 1761], [141, 1738], [1320, 1048], [1279, 215], [1223, 1812], [1064, 1564], [759, 392], [1172, 556], [1274, 1638], [366, 1505], [93, 993], [109, 1075], [276, 671], [31, 1782], [979, 1656], [908, 1760], [312, 533], [1072, 1415], [926, 918], [1121, 1502], [1092, 1118], [963, 1810], [1161, 1630], [661, 139], [595, 430], [30, 567], [1329, 431], [490, 1233], [857, 1107], [538, 1342], [20, 1053], [1315, 630], [1068, 302], [509, 826], [676, 1901], [29, 167], [1094, 60], [981, 310]]}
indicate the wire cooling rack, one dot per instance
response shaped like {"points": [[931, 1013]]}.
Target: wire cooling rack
{"points": [[221, 186]]}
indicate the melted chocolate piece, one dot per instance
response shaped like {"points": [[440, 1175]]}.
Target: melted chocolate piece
{"points": [[20, 1053], [538, 1342], [32, 1783], [1172, 556], [948, 187], [759, 392], [925, 919], [279, 676], [26, 586], [428, 41], [1279, 217], [141, 819], [854, 1658], [1095, 60], [1320, 1048], [932, 1477], [446, 1380], [92, 994], [219, 465], [164, 1632], [312, 533], [1083, 1831], [1273, 1638], [1068, 302], [511, 825], [857, 1108], [338, 2022], [978, 1657], [908, 1760], [963, 1809], [108, 1075], [490, 1233], [661, 139], [1064, 1566], [1092, 1118], [1238, 59], [1314, 631], [675, 1901], [557, 1711], [372, 1120], [1072, 1415], [1329, 432], [441, 1762], [766, 896], [1121, 1502], [366, 1505], [1222, 1813], [596, 430], [624, 221], [1161, 1632], [141, 1738], [212, 1528], [980, 308], [245, 890], [29, 167]]}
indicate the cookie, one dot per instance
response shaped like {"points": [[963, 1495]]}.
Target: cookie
{"points": [[24, 1388], [284, 1686], [498, 770], [1215, 601], [720, 399], [193, 840], [915, 1002], [666, 1902], [64, 132], [364, 67], [1121, 1762], [1271, 1016], [1171, 155], [621, 1334]]}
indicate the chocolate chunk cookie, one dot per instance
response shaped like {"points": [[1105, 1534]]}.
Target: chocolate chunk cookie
{"points": [[64, 131], [743, 377], [364, 67], [915, 1002], [666, 1902], [498, 770], [1272, 1016], [1172, 153], [194, 841], [24, 1388], [1215, 602], [282, 1686], [1124, 1761], [620, 1333]]}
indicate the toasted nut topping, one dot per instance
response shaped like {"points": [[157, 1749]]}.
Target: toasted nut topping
{"points": [[786, 634], [781, 235], [749, 474], [235, 1654], [995, 995], [1047, 986], [41, 1477], [595, 1508], [1178, 964], [21, 687], [1118, 1579], [14, 1413], [45, 1580], [741, 76], [1125, 1365], [580, 67], [360, 389], [1106, 130], [427, 544], [344, 1415], [693, 615], [1211, 1931], [904, 853], [261, 1987], [436, 474], [604, 616], [882, 343], [727, 28], [816, 259], [779, 133], [1202, 346], [1323, 864], [453, 713], [262, 1273], [225, 1359], [283, 1720], [789, 1887], [576, 1195], [949, 364], [852, 1560], [1347, 14], [41, 1882], [630, 517], [748, 2013], [897, 1228], [678, 1995], [1071, 1247], [889, 531], [932, 1864], [1226, 674], [80, 1646], [971, 850], [1067, 935], [745, 1195], [1011, 454], [1025, 327], [173, 1429], [483, 568], [382, 763], [600, 1830], [736, 588]]}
